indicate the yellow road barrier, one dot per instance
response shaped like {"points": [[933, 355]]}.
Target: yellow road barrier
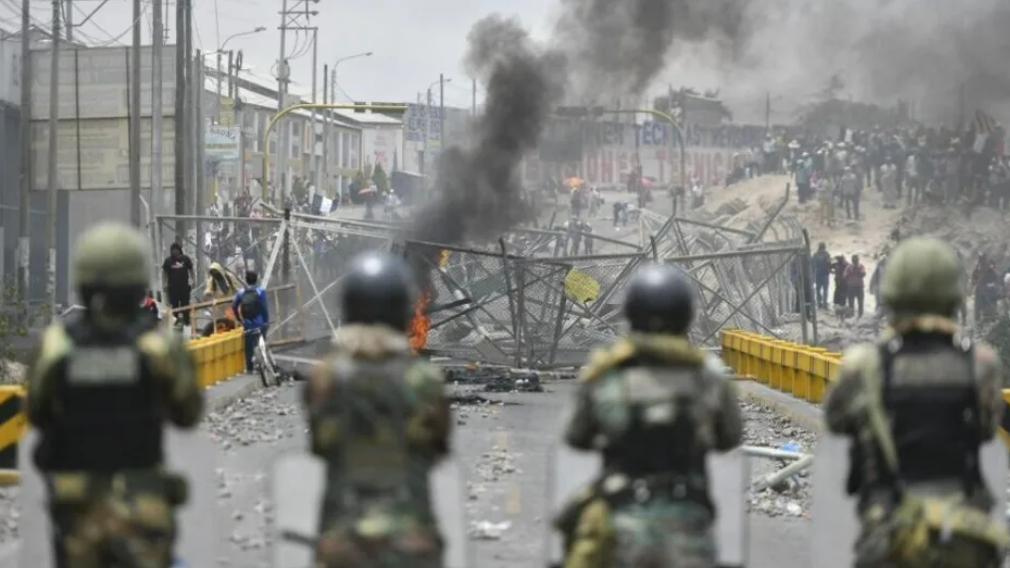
{"points": [[218, 358], [803, 371]]}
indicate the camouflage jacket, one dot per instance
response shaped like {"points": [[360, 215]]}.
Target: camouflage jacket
{"points": [[372, 367], [845, 402], [641, 366]]}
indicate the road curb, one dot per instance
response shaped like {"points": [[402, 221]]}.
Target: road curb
{"points": [[802, 413], [240, 387]]}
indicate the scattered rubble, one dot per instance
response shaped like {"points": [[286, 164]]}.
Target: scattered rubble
{"points": [[766, 428], [258, 419], [10, 513]]}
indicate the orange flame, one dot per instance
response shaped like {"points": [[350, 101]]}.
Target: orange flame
{"points": [[419, 326], [418, 331]]}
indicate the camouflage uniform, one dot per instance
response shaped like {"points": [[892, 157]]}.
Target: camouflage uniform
{"points": [[652, 372], [379, 417], [111, 502], [927, 358]]}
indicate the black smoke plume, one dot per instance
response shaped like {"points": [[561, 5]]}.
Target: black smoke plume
{"points": [[601, 50], [618, 47], [477, 189]]}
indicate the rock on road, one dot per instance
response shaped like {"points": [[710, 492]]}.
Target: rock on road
{"points": [[503, 442]]}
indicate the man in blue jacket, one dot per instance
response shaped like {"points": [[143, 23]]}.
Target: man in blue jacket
{"points": [[251, 306]]}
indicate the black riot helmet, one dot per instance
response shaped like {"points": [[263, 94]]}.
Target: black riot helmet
{"points": [[659, 298], [378, 288]]}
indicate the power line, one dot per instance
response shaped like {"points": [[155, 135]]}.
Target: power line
{"points": [[114, 39]]}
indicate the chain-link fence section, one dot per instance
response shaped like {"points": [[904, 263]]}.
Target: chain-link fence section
{"points": [[297, 259], [538, 297], [760, 290], [513, 310]]}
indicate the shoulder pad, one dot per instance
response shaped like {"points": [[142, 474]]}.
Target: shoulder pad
{"points": [[157, 343], [606, 358], [56, 343], [863, 359]]}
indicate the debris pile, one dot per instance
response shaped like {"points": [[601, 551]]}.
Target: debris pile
{"points": [[495, 379], [764, 427]]}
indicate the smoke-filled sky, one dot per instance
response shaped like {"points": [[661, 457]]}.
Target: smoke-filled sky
{"points": [[918, 50], [599, 49]]}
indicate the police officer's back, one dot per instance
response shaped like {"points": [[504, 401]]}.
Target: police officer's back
{"points": [[379, 418], [99, 392], [654, 406], [918, 406]]}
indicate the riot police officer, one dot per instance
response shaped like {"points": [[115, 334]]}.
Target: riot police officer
{"points": [[379, 418], [98, 393], [920, 409], [654, 406]]}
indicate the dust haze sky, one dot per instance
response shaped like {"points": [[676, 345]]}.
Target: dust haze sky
{"points": [[919, 50], [412, 41]]}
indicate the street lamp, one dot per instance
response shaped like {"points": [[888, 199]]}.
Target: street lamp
{"points": [[240, 34], [221, 51], [333, 81]]}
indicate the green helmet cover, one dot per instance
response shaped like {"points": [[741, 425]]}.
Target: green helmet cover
{"points": [[112, 255], [921, 274]]}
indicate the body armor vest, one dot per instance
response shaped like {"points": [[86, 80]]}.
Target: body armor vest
{"points": [[110, 405], [374, 457], [660, 438], [935, 427]]}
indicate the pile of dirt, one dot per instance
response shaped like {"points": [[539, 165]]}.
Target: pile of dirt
{"points": [[749, 203], [974, 232]]}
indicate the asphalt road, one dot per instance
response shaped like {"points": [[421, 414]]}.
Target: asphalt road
{"points": [[505, 446], [504, 443]]}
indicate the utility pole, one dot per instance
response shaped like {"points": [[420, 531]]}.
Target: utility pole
{"points": [[283, 72], [200, 128], [166, 31], [134, 118], [323, 184], [295, 16], [427, 122], [768, 111], [220, 80], [441, 112], [51, 181], [233, 87], [25, 202], [68, 14], [313, 160], [473, 104], [180, 119], [157, 80], [189, 154]]}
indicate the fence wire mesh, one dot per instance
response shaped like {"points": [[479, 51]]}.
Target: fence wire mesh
{"points": [[539, 297], [756, 290]]}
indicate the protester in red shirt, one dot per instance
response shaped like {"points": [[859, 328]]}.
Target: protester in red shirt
{"points": [[151, 305], [855, 284]]}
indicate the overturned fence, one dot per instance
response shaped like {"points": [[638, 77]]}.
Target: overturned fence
{"points": [[537, 298]]}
